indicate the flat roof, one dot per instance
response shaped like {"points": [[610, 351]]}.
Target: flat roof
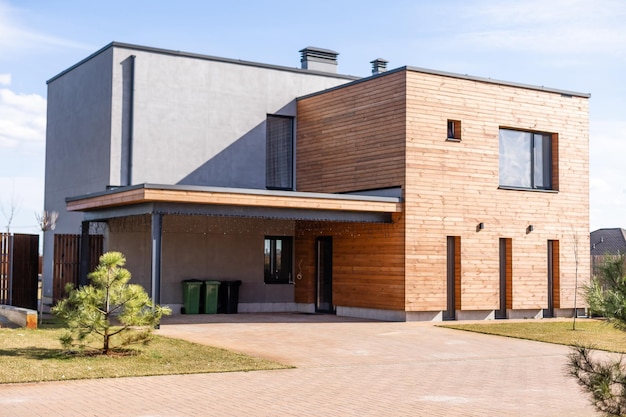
{"points": [[236, 202], [355, 79], [566, 93], [203, 57]]}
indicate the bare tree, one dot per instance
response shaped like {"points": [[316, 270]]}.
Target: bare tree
{"points": [[47, 220], [575, 279], [10, 212]]}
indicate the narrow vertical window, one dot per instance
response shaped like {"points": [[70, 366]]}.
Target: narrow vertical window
{"points": [[279, 153], [453, 269]]}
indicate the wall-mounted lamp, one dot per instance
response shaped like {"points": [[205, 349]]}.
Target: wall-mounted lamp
{"points": [[480, 227], [529, 229]]}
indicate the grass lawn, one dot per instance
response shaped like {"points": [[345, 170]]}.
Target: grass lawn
{"points": [[589, 332], [37, 355]]}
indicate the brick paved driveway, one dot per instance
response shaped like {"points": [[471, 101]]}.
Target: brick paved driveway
{"points": [[344, 367]]}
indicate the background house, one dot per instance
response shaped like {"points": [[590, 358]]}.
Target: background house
{"points": [[409, 195], [606, 242]]}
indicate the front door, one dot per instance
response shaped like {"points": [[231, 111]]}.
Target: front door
{"points": [[324, 275]]}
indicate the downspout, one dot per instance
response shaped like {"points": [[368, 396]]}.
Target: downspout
{"points": [[131, 117]]}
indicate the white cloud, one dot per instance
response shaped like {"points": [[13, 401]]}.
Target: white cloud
{"points": [[15, 37], [22, 120], [539, 26], [5, 79]]}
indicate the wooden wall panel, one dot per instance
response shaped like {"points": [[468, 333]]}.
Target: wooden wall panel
{"points": [[352, 138], [452, 186], [368, 263]]}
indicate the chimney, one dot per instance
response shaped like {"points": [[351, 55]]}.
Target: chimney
{"points": [[318, 59], [379, 65]]}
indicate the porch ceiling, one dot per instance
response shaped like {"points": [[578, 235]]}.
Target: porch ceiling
{"points": [[216, 201]]}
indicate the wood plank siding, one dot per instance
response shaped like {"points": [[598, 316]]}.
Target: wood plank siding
{"points": [[391, 130], [353, 139], [453, 186], [368, 263]]}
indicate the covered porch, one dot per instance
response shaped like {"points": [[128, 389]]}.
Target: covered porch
{"points": [[173, 233]]}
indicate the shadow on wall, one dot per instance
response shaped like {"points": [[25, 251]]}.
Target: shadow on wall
{"points": [[241, 164]]}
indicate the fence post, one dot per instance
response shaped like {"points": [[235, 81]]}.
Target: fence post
{"points": [[11, 255]]}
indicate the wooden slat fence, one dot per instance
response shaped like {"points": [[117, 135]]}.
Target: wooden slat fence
{"points": [[19, 269], [67, 261]]}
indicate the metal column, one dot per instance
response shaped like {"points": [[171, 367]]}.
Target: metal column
{"points": [[157, 222]]}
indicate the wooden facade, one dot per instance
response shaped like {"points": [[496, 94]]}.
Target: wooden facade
{"points": [[391, 131]]}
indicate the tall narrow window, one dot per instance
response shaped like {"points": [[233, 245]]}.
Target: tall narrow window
{"points": [[279, 153], [278, 259], [453, 267], [525, 159]]}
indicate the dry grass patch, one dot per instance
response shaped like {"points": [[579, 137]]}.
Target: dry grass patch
{"points": [[589, 332], [36, 355]]}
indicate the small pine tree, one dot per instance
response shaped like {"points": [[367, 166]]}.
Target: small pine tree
{"points": [[109, 307], [604, 380]]}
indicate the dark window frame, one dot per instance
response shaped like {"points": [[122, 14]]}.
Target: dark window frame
{"points": [[548, 163], [454, 130], [278, 260]]}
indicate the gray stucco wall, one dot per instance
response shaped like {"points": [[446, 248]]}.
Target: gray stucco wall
{"points": [[199, 247], [196, 121], [202, 122], [77, 144]]}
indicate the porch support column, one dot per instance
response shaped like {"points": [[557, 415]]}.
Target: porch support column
{"points": [[157, 222], [85, 254]]}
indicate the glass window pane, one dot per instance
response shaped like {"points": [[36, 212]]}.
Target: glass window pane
{"points": [[515, 158], [268, 257], [542, 161], [278, 260]]}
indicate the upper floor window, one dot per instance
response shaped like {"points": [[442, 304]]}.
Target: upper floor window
{"points": [[279, 153], [525, 159]]}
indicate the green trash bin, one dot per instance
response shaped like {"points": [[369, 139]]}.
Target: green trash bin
{"points": [[191, 296], [209, 296]]}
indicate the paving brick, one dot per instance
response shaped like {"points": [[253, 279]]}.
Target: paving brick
{"points": [[344, 367]]}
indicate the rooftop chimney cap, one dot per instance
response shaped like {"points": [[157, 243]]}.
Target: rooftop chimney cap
{"points": [[319, 59], [379, 65]]}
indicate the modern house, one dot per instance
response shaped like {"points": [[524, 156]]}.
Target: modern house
{"points": [[410, 194], [606, 242]]}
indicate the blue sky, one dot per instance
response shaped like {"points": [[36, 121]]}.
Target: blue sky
{"points": [[577, 45]]}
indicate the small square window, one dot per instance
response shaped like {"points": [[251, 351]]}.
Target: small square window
{"points": [[454, 130]]}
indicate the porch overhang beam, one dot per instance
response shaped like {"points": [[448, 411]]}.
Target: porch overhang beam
{"points": [[212, 201]]}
